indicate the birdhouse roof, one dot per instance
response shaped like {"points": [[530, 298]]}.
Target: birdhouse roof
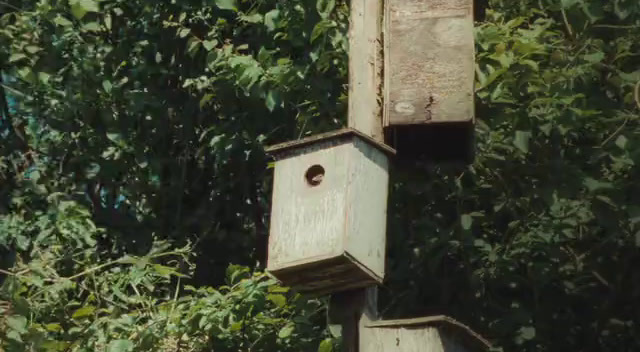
{"points": [[464, 334], [342, 134]]}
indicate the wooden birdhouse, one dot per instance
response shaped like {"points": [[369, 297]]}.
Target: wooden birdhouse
{"points": [[329, 212], [436, 334], [429, 75]]}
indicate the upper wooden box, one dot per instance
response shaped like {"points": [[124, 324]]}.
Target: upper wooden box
{"points": [[429, 76], [429, 62], [329, 212]]}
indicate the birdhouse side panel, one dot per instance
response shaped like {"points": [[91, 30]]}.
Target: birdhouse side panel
{"points": [[429, 62], [367, 206], [426, 339], [308, 207]]}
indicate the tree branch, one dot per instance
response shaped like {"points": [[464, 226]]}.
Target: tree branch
{"points": [[6, 4], [637, 94]]}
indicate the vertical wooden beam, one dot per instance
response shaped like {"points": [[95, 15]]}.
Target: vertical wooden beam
{"points": [[366, 62], [354, 310]]}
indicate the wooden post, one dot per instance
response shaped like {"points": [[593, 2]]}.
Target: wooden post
{"points": [[366, 62], [353, 310], [356, 311], [325, 242]]}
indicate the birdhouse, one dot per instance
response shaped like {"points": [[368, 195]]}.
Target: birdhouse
{"points": [[436, 334], [329, 211], [429, 77]]}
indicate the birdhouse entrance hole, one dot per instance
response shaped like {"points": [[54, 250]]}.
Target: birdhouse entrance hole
{"points": [[315, 175]]}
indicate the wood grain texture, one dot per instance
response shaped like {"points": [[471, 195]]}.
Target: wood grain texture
{"points": [[280, 151], [326, 276], [366, 63], [453, 333], [331, 236], [354, 310], [367, 198], [403, 340], [308, 223], [429, 62]]}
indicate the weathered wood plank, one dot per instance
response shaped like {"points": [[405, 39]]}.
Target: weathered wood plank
{"points": [[403, 340], [435, 333], [279, 150], [429, 62], [366, 62], [308, 223], [354, 310], [328, 214], [367, 206]]}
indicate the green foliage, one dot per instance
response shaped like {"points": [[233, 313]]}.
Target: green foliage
{"points": [[132, 146], [66, 298], [132, 172]]}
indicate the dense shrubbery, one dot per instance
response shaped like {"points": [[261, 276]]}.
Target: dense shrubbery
{"points": [[132, 174]]}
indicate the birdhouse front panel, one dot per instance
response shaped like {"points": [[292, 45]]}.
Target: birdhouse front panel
{"points": [[429, 62], [328, 217], [309, 205]]}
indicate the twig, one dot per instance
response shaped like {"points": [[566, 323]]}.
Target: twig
{"points": [[615, 26], [6, 4], [119, 261], [606, 141], [8, 273], [637, 94], [173, 306], [566, 23], [601, 279], [94, 269], [17, 92]]}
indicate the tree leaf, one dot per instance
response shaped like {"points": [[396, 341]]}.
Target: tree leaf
{"points": [[107, 86], [54, 327], [183, 32], [272, 100], [79, 8], [120, 346], [84, 312], [622, 142], [17, 323], [17, 57], [271, 19], [521, 141], [254, 18], [14, 335], [568, 3], [91, 27], [278, 300], [325, 7], [321, 28], [61, 21], [226, 4], [528, 333], [595, 57], [32, 49], [466, 221], [594, 185], [209, 44], [286, 331], [326, 346]]}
